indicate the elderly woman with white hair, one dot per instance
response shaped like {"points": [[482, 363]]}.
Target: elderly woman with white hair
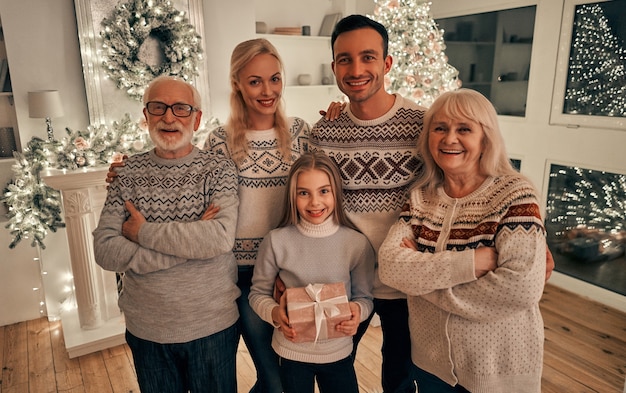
{"points": [[469, 250]]}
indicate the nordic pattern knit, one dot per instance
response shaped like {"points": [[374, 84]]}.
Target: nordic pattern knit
{"points": [[262, 182], [180, 280], [377, 160], [487, 333], [313, 254]]}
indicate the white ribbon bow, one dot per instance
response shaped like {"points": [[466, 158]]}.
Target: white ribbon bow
{"points": [[323, 308]]}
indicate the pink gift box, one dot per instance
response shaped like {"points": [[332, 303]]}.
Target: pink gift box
{"points": [[314, 311]]}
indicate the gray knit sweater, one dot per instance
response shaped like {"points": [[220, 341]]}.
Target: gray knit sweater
{"points": [[180, 280], [313, 254], [487, 333]]}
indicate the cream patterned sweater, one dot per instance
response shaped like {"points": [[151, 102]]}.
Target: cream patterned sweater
{"points": [[262, 179], [485, 334]]}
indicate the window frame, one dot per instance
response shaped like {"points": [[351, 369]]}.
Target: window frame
{"points": [[557, 115]]}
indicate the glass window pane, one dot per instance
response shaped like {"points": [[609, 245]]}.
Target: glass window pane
{"points": [[596, 79], [586, 224], [492, 52]]}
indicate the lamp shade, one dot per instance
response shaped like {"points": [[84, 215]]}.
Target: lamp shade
{"points": [[44, 103]]}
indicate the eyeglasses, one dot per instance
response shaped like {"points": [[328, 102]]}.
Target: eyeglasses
{"points": [[157, 108]]}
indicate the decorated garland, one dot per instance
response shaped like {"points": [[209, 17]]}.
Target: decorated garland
{"points": [[127, 30], [34, 207]]}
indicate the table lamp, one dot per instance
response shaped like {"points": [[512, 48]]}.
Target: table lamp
{"points": [[45, 104]]}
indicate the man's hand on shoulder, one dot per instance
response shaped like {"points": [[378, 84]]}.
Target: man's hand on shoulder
{"points": [[334, 110], [112, 173]]}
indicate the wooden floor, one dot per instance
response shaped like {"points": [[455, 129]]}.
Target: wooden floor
{"points": [[585, 351]]}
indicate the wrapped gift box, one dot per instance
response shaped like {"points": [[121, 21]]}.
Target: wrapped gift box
{"points": [[314, 311]]}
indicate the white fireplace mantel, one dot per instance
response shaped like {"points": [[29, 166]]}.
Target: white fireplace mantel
{"points": [[97, 322]]}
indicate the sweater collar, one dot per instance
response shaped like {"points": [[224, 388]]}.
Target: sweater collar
{"points": [[324, 229], [174, 161], [398, 103]]}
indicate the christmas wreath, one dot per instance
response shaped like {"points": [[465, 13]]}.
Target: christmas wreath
{"points": [[125, 35]]}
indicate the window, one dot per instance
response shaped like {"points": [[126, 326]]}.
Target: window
{"points": [[492, 52], [590, 85], [586, 224]]}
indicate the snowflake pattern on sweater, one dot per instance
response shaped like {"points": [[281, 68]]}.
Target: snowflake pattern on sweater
{"points": [[378, 161]]}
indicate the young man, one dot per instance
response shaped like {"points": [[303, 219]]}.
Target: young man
{"points": [[161, 228], [374, 144]]}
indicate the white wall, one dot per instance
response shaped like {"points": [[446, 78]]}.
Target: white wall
{"points": [[42, 47], [43, 50]]}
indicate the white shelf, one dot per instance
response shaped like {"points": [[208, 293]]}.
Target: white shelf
{"points": [[472, 43], [486, 54], [288, 37], [301, 55], [310, 87]]}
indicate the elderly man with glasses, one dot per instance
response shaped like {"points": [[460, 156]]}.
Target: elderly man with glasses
{"points": [[168, 224]]}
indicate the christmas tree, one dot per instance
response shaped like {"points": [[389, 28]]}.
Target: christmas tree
{"points": [[421, 71], [597, 77]]}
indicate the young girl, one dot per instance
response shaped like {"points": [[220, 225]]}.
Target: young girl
{"points": [[315, 244]]}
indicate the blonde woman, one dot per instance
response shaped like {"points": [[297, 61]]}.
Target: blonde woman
{"points": [[263, 142]]}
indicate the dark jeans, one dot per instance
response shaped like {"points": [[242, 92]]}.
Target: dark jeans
{"points": [[337, 377], [397, 370], [360, 332], [203, 365], [257, 334], [428, 383]]}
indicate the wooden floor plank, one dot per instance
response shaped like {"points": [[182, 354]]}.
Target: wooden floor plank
{"points": [[558, 381], [598, 356], [67, 371], [95, 377], [120, 370], [585, 312], [595, 380], [246, 373], [41, 367], [368, 361], [15, 369]]}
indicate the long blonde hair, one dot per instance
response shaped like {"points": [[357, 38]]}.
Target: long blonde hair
{"points": [[464, 104], [309, 161], [238, 121]]}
